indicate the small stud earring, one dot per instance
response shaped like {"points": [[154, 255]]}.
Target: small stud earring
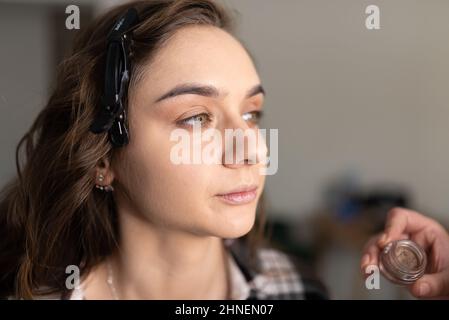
{"points": [[108, 188]]}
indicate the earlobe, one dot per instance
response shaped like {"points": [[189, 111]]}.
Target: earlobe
{"points": [[104, 176], [103, 181]]}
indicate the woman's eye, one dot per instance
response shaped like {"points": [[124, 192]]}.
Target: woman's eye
{"points": [[253, 116], [201, 119]]}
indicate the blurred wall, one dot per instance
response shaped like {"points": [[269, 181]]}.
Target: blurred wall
{"points": [[24, 76]]}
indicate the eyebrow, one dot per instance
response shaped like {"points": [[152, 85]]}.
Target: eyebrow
{"points": [[204, 90]]}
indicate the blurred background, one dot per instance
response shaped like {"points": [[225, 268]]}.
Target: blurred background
{"points": [[363, 115]]}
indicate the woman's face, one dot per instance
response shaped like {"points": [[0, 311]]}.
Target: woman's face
{"points": [[186, 197]]}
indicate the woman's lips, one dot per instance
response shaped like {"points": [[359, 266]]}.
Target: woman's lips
{"points": [[241, 195]]}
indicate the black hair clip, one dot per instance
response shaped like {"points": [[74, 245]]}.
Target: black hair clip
{"points": [[112, 117]]}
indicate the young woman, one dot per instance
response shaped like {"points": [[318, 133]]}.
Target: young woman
{"points": [[97, 189]]}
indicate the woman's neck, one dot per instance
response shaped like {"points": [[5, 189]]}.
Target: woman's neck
{"points": [[164, 264]]}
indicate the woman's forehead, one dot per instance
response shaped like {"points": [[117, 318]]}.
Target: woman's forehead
{"points": [[202, 54]]}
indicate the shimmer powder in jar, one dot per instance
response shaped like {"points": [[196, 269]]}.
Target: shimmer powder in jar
{"points": [[402, 262]]}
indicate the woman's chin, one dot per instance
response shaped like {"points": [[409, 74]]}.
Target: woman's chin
{"points": [[235, 227]]}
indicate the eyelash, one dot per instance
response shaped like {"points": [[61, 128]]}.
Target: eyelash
{"points": [[257, 114]]}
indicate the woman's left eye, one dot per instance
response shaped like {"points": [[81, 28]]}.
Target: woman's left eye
{"points": [[253, 116]]}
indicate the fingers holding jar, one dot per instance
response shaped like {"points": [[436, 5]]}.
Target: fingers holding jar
{"points": [[413, 251]]}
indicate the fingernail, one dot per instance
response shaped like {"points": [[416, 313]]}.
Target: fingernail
{"points": [[424, 289], [383, 238]]}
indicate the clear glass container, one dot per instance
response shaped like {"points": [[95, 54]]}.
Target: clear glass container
{"points": [[403, 262]]}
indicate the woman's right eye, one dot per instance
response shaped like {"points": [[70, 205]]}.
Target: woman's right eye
{"points": [[202, 119]]}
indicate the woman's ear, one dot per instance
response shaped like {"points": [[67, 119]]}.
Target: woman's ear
{"points": [[104, 176]]}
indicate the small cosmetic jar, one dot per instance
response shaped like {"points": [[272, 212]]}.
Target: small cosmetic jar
{"points": [[402, 262]]}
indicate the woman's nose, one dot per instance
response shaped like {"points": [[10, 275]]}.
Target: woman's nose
{"points": [[242, 145]]}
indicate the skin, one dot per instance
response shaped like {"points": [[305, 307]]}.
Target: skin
{"points": [[172, 222], [430, 235]]}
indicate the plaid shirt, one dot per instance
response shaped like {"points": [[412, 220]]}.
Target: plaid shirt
{"points": [[278, 276]]}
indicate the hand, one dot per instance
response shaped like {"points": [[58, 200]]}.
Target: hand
{"points": [[430, 235]]}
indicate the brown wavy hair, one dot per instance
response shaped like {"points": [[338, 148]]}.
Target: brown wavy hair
{"points": [[51, 215]]}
